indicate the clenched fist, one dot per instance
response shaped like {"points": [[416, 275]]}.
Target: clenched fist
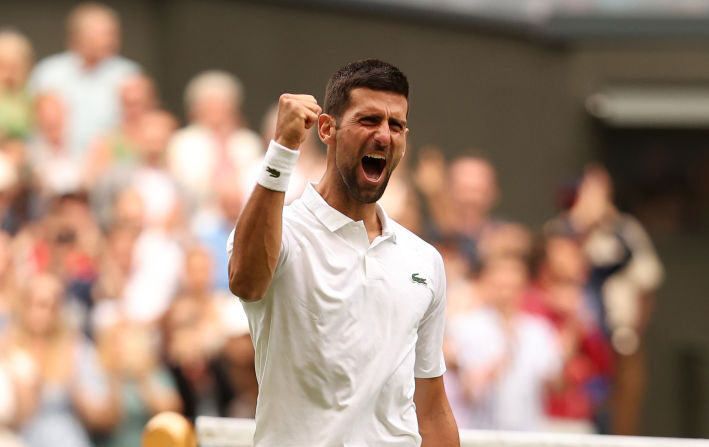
{"points": [[296, 114]]}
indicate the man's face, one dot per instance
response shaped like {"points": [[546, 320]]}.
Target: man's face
{"points": [[97, 37], [370, 141]]}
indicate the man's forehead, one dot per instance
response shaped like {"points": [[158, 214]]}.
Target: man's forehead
{"points": [[362, 98]]}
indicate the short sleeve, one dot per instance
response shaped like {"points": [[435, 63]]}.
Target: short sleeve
{"points": [[429, 346]]}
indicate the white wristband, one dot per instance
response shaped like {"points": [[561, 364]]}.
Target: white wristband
{"points": [[277, 167]]}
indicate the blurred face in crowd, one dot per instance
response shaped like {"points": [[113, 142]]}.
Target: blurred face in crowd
{"points": [[41, 305], [121, 242], [137, 97], [473, 184], [369, 140], [50, 117], [231, 198], [155, 130], [94, 35], [129, 210], [566, 273], [198, 270], [15, 61], [216, 112], [503, 280]]}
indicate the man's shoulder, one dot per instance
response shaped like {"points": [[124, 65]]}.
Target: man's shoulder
{"points": [[413, 241], [65, 57], [123, 64], [50, 68]]}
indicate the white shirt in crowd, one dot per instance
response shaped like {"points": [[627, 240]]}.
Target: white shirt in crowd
{"points": [[196, 160], [91, 96], [515, 401], [344, 329]]}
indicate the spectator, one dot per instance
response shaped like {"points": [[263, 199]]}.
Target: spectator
{"points": [[216, 144], [151, 178], [88, 75], [212, 226], [202, 377], [55, 168], [120, 145], [625, 272], [505, 358], [557, 294], [16, 57], [151, 285], [72, 393], [459, 199], [130, 354]]}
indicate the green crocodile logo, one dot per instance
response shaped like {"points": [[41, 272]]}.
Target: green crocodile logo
{"points": [[274, 172], [416, 278]]}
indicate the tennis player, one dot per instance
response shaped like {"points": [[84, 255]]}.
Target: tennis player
{"points": [[345, 306]]}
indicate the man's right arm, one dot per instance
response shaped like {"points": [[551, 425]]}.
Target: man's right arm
{"points": [[257, 237]]}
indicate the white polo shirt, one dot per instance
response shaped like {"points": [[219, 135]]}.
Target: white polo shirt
{"points": [[343, 329]]}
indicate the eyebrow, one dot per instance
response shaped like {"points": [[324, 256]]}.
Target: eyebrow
{"points": [[379, 116]]}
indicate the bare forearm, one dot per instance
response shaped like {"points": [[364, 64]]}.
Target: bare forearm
{"points": [[439, 429], [257, 243], [436, 422]]}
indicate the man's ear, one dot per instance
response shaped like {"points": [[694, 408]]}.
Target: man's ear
{"points": [[326, 128]]}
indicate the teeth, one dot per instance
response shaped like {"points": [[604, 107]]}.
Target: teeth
{"points": [[377, 156]]}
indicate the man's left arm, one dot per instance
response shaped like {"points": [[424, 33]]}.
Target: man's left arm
{"points": [[436, 422]]}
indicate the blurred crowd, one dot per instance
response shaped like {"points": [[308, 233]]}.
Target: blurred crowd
{"points": [[114, 300]]}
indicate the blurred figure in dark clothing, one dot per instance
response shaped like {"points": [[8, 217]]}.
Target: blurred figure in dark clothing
{"points": [[625, 272]]}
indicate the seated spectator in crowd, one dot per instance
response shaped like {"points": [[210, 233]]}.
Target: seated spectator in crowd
{"points": [[459, 199], [15, 103], [201, 375], [72, 392], [216, 144], [88, 75], [151, 178], [55, 168], [65, 243], [506, 358], [209, 347], [120, 145], [625, 272], [212, 226], [115, 268], [150, 286], [146, 174], [130, 355], [557, 294]]}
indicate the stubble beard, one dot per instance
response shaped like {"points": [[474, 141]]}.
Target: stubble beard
{"points": [[349, 178]]}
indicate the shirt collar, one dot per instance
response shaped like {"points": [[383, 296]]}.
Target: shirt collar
{"points": [[334, 220]]}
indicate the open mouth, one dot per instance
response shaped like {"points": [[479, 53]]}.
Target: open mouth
{"points": [[373, 166]]}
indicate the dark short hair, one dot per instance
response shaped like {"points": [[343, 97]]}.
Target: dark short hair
{"points": [[369, 73]]}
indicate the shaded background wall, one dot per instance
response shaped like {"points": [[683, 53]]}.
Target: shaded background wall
{"points": [[515, 96]]}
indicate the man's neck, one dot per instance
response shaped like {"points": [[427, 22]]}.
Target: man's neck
{"points": [[336, 195]]}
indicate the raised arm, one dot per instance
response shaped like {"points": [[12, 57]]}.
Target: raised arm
{"points": [[257, 237]]}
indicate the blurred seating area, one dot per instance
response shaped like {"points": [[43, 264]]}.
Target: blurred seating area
{"points": [[114, 302]]}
